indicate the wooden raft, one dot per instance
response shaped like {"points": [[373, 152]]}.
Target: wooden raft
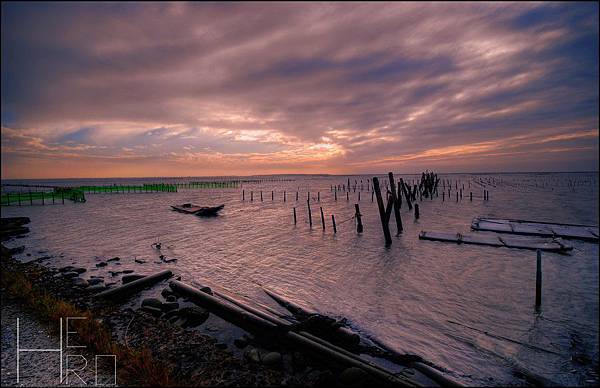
{"points": [[549, 245], [535, 228]]}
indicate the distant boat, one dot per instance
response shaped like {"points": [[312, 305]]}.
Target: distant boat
{"points": [[204, 211]]}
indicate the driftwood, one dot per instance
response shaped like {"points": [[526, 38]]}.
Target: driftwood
{"points": [[136, 285], [243, 318]]}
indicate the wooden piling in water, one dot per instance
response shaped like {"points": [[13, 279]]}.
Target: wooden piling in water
{"points": [[294, 216], [383, 214], [395, 200], [538, 281], [309, 214], [333, 222], [243, 195], [261, 198], [357, 215], [416, 211], [322, 217]]}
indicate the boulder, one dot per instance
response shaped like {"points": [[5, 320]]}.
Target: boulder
{"points": [[272, 359], [194, 315]]}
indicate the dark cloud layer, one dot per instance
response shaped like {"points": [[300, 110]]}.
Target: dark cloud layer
{"points": [[214, 88]]}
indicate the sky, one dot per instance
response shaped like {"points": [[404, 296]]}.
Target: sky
{"points": [[208, 89]]}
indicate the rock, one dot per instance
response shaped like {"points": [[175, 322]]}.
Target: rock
{"points": [[68, 268], [17, 250], [152, 310], [173, 313], [352, 376], [152, 302], [79, 270], [101, 264], [79, 282], [96, 288], [206, 290], [166, 292], [114, 259], [194, 315], [129, 278], [70, 275], [171, 298], [140, 261], [272, 359], [168, 306], [94, 281], [241, 343], [128, 271], [252, 355]]}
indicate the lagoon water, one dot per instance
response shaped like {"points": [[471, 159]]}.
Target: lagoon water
{"points": [[410, 295]]}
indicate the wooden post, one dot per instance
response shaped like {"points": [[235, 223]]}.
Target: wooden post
{"points": [[406, 194], [399, 227], [416, 211], [309, 214], [357, 215], [372, 194], [322, 218], [52, 197], [333, 221], [457, 196], [251, 196], [471, 196], [443, 196], [383, 214], [538, 281], [284, 196], [62, 196], [243, 195], [335, 193], [347, 197], [261, 199], [294, 216], [359, 196], [43, 202], [296, 195], [272, 195]]}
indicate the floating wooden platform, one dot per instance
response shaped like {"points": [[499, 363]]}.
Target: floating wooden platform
{"points": [[535, 228], [535, 243]]}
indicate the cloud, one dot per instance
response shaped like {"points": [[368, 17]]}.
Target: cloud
{"points": [[387, 85]]}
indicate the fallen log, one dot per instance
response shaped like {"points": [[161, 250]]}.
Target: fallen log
{"points": [[248, 321], [136, 285]]}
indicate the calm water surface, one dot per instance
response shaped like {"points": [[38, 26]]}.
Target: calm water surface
{"points": [[406, 295]]}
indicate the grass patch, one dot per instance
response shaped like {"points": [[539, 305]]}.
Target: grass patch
{"points": [[135, 367]]}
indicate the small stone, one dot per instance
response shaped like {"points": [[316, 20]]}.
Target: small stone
{"points": [[152, 302], [194, 315], [79, 270], [252, 355], [140, 261], [96, 288], [128, 271], [272, 359], [114, 259], [241, 343], [166, 292], [352, 376], [101, 264], [171, 298], [79, 282], [68, 268], [94, 281], [206, 290], [70, 275], [130, 278], [173, 313]]}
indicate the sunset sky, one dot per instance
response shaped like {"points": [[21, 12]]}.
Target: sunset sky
{"points": [[175, 89]]}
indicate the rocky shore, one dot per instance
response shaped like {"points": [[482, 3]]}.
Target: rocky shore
{"points": [[166, 328]]}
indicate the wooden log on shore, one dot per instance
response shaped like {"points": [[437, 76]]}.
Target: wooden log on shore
{"points": [[129, 288]]}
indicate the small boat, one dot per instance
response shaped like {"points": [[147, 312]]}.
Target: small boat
{"points": [[204, 211], [544, 244], [536, 228]]}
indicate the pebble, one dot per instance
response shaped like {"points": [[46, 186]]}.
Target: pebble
{"points": [[101, 264], [252, 355], [128, 271], [70, 275], [79, 270], [166, 292], [114, 259], [68, 268]]}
